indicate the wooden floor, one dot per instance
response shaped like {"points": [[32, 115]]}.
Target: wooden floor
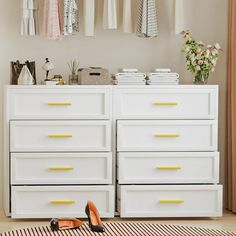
{"points": [[227, 222]]}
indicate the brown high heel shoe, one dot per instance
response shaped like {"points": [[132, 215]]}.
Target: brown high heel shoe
{"points": [[66, 223], [95, 222]]}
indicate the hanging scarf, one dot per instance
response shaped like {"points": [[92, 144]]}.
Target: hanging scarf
{"points": [[28, 21], [51, 19], [89, 16], [127, 16], [147, 19], [110, 14], [71, 17], [179, 16]]}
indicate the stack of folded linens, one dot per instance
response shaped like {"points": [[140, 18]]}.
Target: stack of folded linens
{"points": [[129, 77], [163, 77]]}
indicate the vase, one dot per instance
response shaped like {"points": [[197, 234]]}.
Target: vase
{"points": [[73, 79], [201, 78]]}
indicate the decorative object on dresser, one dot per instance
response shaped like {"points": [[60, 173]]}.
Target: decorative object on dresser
{"points": [[48, 66], [16, 68], [73, 77], [201, 59], [57, 151], [167, 151], [94, 76], [25, 77]]}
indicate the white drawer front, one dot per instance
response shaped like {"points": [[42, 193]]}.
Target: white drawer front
{"points": [[42, 136], [168, 167], [59, 103], [167, 103], [171, 201], [61, 201], [61, 168], [153, 135]]}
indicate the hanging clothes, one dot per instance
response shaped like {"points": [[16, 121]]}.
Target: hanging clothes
{"points": [[110, 14], [52, 19], [179, 16], [28, 21], [71, 17], [127, 16], [147, 19], [89, 17]]}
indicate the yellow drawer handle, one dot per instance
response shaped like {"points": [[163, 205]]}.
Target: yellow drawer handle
{"points": [[62, 202], [165, 103], [169, 167], [60, 168], [59, 104], [60, 135], [171, 201], [167, 135]]}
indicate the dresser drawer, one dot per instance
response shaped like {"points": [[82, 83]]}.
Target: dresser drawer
{"points": [[54, 136], [154, 135], [171, 201], [167, 102], [168, 167], [60, 201], [59, 103], [61, 168]]}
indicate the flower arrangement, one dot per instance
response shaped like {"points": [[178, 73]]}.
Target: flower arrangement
{"points": [[201, 59]]}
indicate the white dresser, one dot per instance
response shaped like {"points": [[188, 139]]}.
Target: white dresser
{"points": [[57, 151], [62, 144], [167, 159]]}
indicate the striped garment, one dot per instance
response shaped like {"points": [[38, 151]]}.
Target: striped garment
{"points": [[123, 229], [147, 19]]}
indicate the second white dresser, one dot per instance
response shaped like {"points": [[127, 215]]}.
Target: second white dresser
{"points": [[167, 159]]}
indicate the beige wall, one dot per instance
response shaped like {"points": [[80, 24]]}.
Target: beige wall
{"points": [[207, 19]]}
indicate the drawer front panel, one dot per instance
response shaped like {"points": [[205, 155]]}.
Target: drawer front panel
{"points": [[61, 201], [171, 201], [59, 103], [61, 168], [159, 167], [155, 135], [54, 136], [166, 103]]}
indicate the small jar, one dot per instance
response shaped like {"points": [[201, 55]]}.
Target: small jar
{"points": [[73, 79]]}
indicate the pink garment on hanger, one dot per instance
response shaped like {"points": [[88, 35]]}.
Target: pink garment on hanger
{"points": [[52, 19]]}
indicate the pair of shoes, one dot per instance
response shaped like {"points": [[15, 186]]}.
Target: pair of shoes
{"points": [[95, 223]]}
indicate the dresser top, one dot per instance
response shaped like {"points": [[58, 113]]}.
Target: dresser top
{"points": [[183, 86]]}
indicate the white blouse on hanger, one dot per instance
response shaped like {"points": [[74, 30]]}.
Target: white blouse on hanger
{"points": [[110, 14], [127, 16], [28, 24], [89, 17], [179, 16]]}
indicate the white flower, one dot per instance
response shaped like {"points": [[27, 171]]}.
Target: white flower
{"points": [[198, 68], [217, 46], [207, 53], [213, 69]]}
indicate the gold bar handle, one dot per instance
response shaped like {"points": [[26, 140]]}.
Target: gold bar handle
{"points": [[167, 135], [169, 167], [60, 136], [59, 103], [61, 202], [165, 103], [60, 168], [167, 201]]}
